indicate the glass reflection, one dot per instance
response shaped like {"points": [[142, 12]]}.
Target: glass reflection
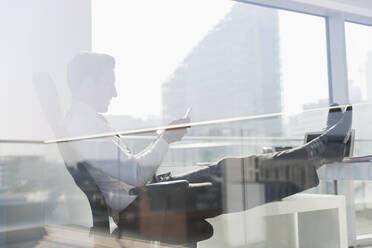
{"points": [[209, 187], [171, 208]]}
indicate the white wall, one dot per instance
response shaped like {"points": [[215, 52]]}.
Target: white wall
{"points": [[37, 35], [40, 36]]}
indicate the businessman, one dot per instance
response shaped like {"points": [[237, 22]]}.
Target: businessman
{"points": [[117, 171]]}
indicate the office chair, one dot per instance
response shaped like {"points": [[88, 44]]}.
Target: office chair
{"points": [[80, 171], [175, 200]]}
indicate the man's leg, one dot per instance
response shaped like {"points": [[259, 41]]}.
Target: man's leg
{"points": [[280, 174], [268, 177]]}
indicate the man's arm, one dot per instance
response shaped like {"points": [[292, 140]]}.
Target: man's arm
{"points": [[143, 166], [112, 157], [138, 169]]}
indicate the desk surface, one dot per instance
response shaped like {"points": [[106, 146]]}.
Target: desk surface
{"points": [[356, 168]]}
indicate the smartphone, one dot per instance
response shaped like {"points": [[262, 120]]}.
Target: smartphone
{"points": [[187, 114]]}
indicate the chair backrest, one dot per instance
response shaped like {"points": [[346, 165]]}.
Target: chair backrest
{"points": [[80, 171]]}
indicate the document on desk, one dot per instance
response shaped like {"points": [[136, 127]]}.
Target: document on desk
{"points": [[354, 168], [362, 159]]}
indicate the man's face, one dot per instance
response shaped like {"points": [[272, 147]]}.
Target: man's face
{"points": [[103, 90]]}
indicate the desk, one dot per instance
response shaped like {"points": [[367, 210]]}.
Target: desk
{"points": [[356, 168], [301, 220]]}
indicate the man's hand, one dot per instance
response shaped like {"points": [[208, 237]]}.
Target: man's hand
{"points": [[171, 136]]}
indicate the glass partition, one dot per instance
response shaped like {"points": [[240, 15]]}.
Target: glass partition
{"points": [[37, 191], [180, 125], [231, 190]]}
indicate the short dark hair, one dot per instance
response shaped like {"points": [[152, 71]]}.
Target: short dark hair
{"points": [[87, 64]]}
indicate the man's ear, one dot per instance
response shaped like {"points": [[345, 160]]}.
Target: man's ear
{"points": [[87, 82], [86, 90]]}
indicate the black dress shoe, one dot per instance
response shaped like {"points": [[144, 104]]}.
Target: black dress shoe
{"points": [[298, 165], [330, 146], [334, 115]]}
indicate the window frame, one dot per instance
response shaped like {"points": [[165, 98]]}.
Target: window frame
{"points": [[337, 75], [335, 32]]}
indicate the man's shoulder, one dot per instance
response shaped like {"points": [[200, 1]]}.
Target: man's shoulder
{"points": [[79, 124]]}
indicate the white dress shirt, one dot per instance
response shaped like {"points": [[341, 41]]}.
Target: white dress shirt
{"points": [[119, 169]]}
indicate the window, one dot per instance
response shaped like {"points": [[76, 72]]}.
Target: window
{"points": [[274, 62], [359, 61], [255, 77]]}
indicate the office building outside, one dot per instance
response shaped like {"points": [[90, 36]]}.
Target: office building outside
{"points": [[233, 72]]}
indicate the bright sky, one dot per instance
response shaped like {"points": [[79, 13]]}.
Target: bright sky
{"points": [[358, 45], [303, 59], [149, 39]]}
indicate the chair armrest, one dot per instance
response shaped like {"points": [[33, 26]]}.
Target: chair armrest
{"points": [[200, 200], [161, 187]]}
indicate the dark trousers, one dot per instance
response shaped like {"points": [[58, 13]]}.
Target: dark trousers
{"points": [[180, 216]]}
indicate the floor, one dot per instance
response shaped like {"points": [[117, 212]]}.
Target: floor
{"points": [[67, 237]]}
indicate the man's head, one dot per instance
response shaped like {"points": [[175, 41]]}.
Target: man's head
{"points": [[92, 80]]}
